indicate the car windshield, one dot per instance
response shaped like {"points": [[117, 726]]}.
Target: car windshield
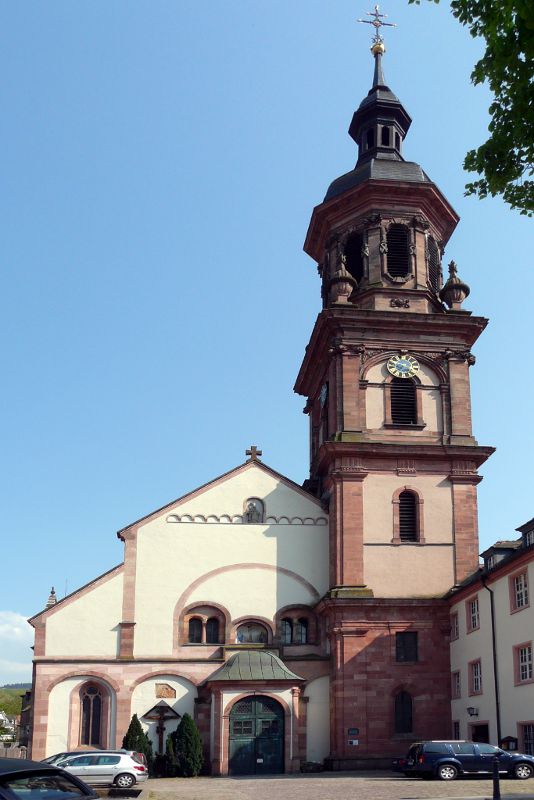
{"points": [[40, 787]]}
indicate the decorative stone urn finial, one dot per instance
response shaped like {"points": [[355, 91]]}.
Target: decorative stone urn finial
{"points": [[52, 599], [342, 283], [455, 290]]}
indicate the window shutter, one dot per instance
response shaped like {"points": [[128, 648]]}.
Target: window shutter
{"points": [[433, 264], [398, 251], [407, 517], [403, 402]]}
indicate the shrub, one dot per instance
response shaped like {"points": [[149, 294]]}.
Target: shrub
{"points": [[185, 747], [136, 739]]}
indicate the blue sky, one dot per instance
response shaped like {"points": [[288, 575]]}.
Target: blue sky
{"points": [[160, 162]]}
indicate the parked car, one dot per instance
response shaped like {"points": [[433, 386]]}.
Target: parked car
{"points": [[20, 779], [448, 759], [105, 768], [58, 757]]}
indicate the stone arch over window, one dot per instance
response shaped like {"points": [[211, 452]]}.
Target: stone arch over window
{"points": [[399, 266], [253, 510], [408, 519], [403, 402], [403, 710], [91, 711], [296, 625], [203, 623]]}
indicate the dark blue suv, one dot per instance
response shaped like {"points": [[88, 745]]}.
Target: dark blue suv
{"points": [[448, 759]]}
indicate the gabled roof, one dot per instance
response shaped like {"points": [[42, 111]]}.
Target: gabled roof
{"points": [[254, 665], [256, 463]]}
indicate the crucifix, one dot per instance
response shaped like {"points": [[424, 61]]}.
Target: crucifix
{"points": [[161, 713], [254, 453], [377, 23]]}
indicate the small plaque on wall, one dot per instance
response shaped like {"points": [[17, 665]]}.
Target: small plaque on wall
{"points": [[354, 742]]}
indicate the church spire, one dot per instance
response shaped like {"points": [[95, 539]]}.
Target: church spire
{"points": [[381, 122]]}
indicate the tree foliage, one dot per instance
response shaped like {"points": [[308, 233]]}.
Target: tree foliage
{"points": [[185, 748], [505, 162], [136, 739]]}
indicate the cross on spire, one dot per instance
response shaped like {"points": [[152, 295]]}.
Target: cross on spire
{"points": [[254, 453], [377, 23]]}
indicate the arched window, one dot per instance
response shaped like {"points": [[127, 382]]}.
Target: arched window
{"points": [[403, 713], [403, 401], [212, 631], [353, 253], [286, 631], [252, 633], [301, 631], [398, 242], [385, 136], [433, 263], [408, 517], [91, 716], [195, 630]]}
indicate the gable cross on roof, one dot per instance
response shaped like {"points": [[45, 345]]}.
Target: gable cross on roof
{"points": [[254, 453]]}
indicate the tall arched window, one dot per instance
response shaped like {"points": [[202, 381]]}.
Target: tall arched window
{"points": [[286, 631], [301, 631], [353, 253], [403, 713], [408, 517], [403, 401], [212, 631], [398, 242], [195, 631], [91, 717]]}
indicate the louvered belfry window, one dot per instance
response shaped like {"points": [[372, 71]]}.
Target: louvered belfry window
{"points": [[407, 517], [433, 264], [403, 402], [398, 251]]}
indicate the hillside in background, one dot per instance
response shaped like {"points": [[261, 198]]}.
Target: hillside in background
{"points": [[11, 699]]}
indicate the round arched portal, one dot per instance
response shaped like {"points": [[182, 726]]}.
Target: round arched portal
{"points": [[256, 742]]}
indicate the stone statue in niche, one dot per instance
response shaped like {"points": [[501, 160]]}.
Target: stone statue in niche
{"points": [[253, 510], [164, 690]]}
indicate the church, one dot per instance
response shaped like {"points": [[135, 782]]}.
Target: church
{"points": [[306, 624]]}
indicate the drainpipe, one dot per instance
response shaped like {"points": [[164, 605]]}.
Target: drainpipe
{"points": [[494, 649]]}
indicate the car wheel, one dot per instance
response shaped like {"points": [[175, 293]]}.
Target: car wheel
{"points": [[523, 771], [447, 772], [124, 780]]}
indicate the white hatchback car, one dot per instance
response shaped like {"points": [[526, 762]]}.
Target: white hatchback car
{"points": [[104, 769]]}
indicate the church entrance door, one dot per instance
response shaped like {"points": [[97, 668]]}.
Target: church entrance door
{"points": [[256, 737]]}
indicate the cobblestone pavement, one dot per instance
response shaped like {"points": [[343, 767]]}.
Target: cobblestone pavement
{"points": [[331, 786]]}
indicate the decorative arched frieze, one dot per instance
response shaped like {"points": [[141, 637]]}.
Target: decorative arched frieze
{"points": [[238, 519]]}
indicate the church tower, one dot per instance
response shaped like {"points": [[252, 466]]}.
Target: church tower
{"points": [[392, 452]]}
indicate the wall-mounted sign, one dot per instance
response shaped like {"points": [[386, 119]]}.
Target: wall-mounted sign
{"points": [[353, 742], [353, 731]]}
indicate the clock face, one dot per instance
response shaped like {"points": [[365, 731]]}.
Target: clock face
{"points": [[403, 366]]}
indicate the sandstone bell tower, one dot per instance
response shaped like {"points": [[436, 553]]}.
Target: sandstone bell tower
{"points": [[392, 451]]}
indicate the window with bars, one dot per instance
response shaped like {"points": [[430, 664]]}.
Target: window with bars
{"points": [[408, 517], [475, 675], [528, 738], [353, 253], [91, 716], [403, 713], [301, 631], [398, 243], [433, 263], [519, 591], [403, 401], [406, 646], [456, 685], [473, 614], [286, 631], [524, 663]]}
